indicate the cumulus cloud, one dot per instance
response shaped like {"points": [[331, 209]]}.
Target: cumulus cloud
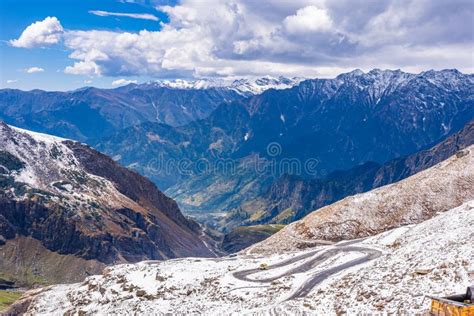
{"points": [[308, 19], [86, 67], [296, 38], [33, 70], [121, 82], [10, 81], [40, 34], [142, 16]]}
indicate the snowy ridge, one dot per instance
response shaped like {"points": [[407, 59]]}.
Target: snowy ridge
{"points": [[387, 283], [51, 166], [246, 87], [442, 246], [378, 83], [40, 136], [257, 86]]}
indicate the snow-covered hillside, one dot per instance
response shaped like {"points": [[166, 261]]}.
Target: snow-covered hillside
{"points": [[390, 272], [50, 165]]}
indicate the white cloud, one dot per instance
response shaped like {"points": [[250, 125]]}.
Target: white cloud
{"points": [[295, 38], [33, 70], [121, 82], [9, 81], [308, 19], [86, 67], [40, 34], [142, 16]]}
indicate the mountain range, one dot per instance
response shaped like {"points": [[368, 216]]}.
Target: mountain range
{"points": [[308, 130], [90, 113], [244, 86], [336, 124], [323, 180]]}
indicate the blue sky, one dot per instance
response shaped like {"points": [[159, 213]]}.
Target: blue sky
{"points": [[64, 45], [16, 15]]}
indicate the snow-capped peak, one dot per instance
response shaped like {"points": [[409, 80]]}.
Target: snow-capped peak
{"points": [[242, 86], [189, 84], [259, 85]]}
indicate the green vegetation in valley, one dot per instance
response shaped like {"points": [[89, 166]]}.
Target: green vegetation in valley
{"points": [[7, 298]]}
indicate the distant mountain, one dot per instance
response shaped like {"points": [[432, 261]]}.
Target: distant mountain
{"points": [[147, 147], [413, 200], [89, 112], [79, 210], [337, 123], [245, 87], [291, 197], [359, 117]]}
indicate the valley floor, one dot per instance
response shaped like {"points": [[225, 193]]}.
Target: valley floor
{"points": [[390, 272]]}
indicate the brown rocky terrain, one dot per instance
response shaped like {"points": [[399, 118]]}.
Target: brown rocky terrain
{"points": [[67, 199], [26, 261]]}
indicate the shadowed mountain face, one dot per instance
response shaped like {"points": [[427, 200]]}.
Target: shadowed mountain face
{"points": [[290, 197], [78, 202], [338, 123]]}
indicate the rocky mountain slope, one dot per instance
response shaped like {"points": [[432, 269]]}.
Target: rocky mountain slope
{"points": [[410, 201], [291, 197], [338, 123], [74, 201], [379, 275]]}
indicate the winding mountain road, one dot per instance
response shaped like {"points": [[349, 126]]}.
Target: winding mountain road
{"points": [[317, 257]]}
